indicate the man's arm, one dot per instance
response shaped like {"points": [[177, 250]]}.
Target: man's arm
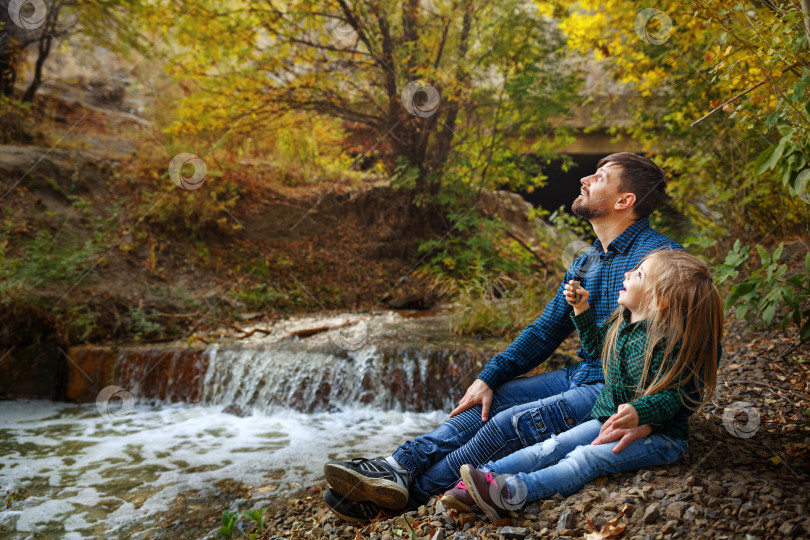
{"points": [[534, 344]]}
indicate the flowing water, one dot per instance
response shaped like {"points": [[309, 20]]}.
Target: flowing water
{"points": [[111, 469]]}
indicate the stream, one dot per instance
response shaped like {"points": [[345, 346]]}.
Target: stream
{"points": [[163, 431]]}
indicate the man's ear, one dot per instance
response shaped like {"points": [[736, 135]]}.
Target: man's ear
{"points": [[627, 200]]}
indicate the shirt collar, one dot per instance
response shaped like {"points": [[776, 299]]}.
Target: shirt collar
{"points": [[622, 242], [626, 318]]}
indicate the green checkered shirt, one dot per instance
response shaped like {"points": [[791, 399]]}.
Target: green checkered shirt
{"points": [[623, 376]]}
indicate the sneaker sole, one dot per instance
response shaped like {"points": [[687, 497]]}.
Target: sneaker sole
{"points": [[451, 502], [357, 487], [491, 513]]}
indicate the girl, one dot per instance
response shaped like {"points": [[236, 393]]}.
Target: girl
{"points": [[659, 355]]}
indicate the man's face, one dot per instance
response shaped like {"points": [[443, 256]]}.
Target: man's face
{"points": [[598, 193]]}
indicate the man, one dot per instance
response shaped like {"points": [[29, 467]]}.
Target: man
{"points": [[617, 201]]}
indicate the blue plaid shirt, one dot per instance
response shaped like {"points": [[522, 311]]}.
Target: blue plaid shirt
{"points": [[601, 274]]}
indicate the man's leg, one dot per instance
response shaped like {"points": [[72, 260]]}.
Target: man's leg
{"points": [[386, 481], [419, 455], [518, 427]]}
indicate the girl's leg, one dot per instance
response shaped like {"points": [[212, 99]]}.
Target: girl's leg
{"points": [[543, 454], [587, 462]]}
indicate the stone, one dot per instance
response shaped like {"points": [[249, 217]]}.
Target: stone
{"points": [[647, 476], [438, 535], [714, 490], [513, 532], [566, 521], [691, 513], [787, 528], [467, 518], [658, 494], [690, 481], [669, 527], [599, 522], [547, 504], [317, 532], [387, 536], [533, 508], [675, 511], [651, 514]]}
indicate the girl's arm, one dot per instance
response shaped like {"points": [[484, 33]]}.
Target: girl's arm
{"points": [[590, 335]]}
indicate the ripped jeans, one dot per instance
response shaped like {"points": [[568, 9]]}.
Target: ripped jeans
{"points": [[524, 411], [566, 462]]}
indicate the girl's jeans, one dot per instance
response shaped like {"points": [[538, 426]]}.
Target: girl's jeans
{"points": [[566, 462], [524, 411]]}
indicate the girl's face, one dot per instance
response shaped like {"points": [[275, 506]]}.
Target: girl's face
{"points": [[635, 285]]}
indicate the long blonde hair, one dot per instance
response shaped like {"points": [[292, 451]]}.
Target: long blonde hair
{"points": [[684, 315]]}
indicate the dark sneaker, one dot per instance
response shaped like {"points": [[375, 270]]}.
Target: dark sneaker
{"points": [[358, 512], [458, 498], [492, 493], [371, 480]]}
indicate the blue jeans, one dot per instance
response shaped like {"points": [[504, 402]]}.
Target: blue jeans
{"points": [[524, 411], [566, 462]]}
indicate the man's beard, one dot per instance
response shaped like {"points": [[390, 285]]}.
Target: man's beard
{"points": [[595, 210]]}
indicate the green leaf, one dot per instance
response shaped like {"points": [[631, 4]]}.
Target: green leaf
{"points": [[778, 252], [764, 257], [770, 311], [760, 166], [785, 130], [807, 262], [777, 153]]}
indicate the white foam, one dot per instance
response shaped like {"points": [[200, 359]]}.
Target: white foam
{"points": [[72, 459]]}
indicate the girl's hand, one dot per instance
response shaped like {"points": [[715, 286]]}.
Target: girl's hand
{"points": [[576, 296], [624, 436], [625, 418]]}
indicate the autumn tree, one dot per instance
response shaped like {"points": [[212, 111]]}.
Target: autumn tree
{"points": [[450, 89]]}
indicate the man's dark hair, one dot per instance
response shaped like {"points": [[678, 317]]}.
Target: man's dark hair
{"points": [[642, 177]]}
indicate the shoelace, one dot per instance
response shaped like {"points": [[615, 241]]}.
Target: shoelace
{"points": [[488, 476]]}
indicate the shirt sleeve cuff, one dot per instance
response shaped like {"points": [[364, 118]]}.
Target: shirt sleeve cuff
{"points": [[490, 375], [584, 318]]}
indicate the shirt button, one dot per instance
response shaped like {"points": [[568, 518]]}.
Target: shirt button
{"points": [[570, 421], [540, 425]]}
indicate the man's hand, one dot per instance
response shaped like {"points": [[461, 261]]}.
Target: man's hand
{"points": [[625, 418], [624, 436], [479, 393]]}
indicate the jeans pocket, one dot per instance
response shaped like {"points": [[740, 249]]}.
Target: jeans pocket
{"points": [[564, 417], [532, 426]]}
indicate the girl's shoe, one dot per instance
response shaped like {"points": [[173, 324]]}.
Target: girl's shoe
{"points": [[491, 492], [458, 498]]}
